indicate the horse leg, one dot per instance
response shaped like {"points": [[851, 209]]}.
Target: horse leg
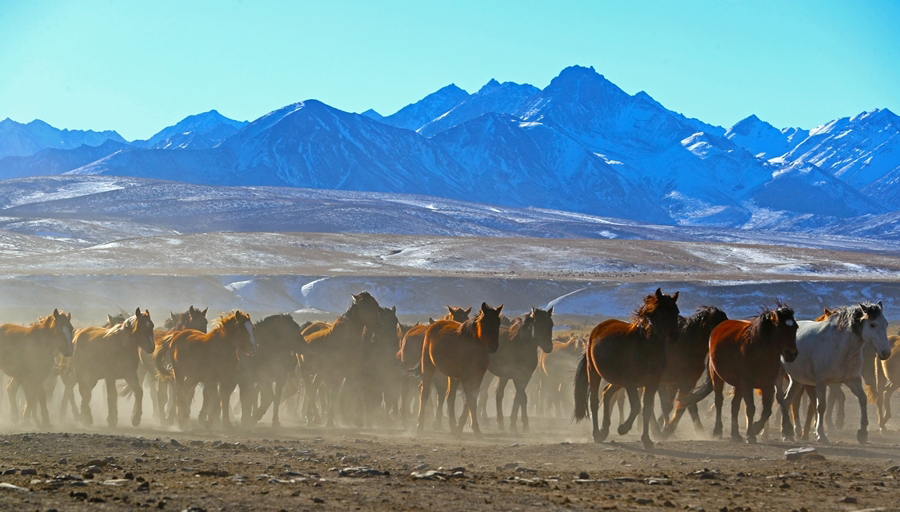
{"points": [[162, 398], [42, 403], [784, 401], [501, 388], [12, 388], [810, 412], [440, 385], [600, 434], [768, 395], [226, 389], [736, 410], [648, 415], [86, 388], [840, 400], [856, 386], [821, 406], [634, 403], [276, 404], [885, 398], [452, 386], [112, 403], [134, 382], [666, 404], [424, 394], [523, 406], [471, 388], [183, 393], [482, 399], [719, 397], [750, 409]]}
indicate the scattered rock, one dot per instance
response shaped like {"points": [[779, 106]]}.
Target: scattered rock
{"points": [[848, 499], [10, 487], [63, 461], [644, 501], [584, 476], [804, 453], [144, 487], [175, 443], [29, 471], [318, 500], [362, 471]]}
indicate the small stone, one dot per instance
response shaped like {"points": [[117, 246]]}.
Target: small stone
{"points": [[63, 461], [669, 504], [175, 443], [583, 476], [318, 500], [848, 499], [10, 471], [644, 501], [803, 453], [143, 487], [29, 471], [10, 487]]}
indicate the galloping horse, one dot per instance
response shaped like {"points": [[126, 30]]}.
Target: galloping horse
{"points": [[517, 357], [26, 355], [111, 353], [410, 355], [831, 352], [211, 358], [555, 374], [630, 355], [381, 373], [334, 354], [279, 342], [164, 393], [746, 354], [461, 351], [686, 362]]}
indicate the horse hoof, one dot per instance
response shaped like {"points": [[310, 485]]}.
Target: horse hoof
{"points": [[648, 443], [788, 439], [136, 421], [437, 426], [600, 436], [736, 438], [751, 439], [623, 429], [862, 436], [839, 425], [526, 429], [823, 440]]}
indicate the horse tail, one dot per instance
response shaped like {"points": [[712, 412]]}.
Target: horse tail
{"points": [[700, 391], [581, 388], [125, 390], [873, 387], [160, 360]]}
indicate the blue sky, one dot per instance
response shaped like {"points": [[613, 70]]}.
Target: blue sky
{"points": [[136, 66]]}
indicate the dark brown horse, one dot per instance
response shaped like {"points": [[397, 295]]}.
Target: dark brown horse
{"points": [[279, 341], [628, 355], [382, 372], [410, 356], [27, 355], [516, 359], [747, 354], [686, 362], [110, 354], [162, 395], [210, 358], [334, 355], [461, 351]]}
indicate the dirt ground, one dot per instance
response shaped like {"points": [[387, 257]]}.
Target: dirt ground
{"points": [[555, 467]]}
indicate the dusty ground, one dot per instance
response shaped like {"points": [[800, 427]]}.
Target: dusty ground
{"points": [[296, 468]]}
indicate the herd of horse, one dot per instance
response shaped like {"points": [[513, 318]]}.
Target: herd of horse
{"points": [[361, 364]]}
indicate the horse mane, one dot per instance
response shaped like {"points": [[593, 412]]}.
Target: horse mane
{"points": [[641, 316], [470, 327], [693, 325], [223, 319], [762, 323], [850, 317], [272, 318], [516, 327], [126, 325]]}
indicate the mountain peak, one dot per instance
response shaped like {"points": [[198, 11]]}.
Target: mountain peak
{"points": [[492, 84], [750, 124]]}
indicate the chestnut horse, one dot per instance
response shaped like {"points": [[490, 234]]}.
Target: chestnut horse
{"points": [[111, 353], [335, 354], [461, 351], [628, 355], [211, 358], [164, 394], [27, 355], [686, 362], [410, 356], [887, 379], [516, 359], [747, 354]]}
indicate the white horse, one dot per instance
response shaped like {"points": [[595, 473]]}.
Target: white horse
{"points": [[830, 352]]}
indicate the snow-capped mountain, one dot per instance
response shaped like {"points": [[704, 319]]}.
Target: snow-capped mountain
{"points": [[200, 131], [504, 98], [416, 115], [21, 139], [581, 144]]}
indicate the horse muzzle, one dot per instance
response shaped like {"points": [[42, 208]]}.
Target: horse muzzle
{"points": [[790, 355], [884, 354]]}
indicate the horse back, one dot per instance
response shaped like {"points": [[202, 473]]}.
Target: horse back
{"points": [[453, 353], [411, 345]]}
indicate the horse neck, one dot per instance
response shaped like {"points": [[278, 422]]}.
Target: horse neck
{"points": [[846, 344]]}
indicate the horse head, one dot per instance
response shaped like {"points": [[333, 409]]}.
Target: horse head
{"points": [[61, 325], [196, 319], [112, 320], [780, 324], [659, 314], [457, 314], [364, 311], [872, 328], [488, 322], [542, 328], [141, 329], [239, 327], [388, 330]]}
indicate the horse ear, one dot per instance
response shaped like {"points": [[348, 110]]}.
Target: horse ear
{"points": [[449, 308], [55, 312], [137, 312], [532, 310], [430, 320], [394, 309], [205, 310], [109, 319], [355, 297], [468, 310], [880, 305], [659, 293], [499, 308], [484, 306], [675, 297], [69, 316], [551, 310]]}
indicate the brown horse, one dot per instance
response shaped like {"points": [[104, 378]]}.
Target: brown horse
{"points": [[334, 355], [163, 396], [410, 356], [555, 374], [747, 354], [211, 358], [112, 353], [686, 362], [279, 341], [516, 359], [27, 355], [382, 372], [461, 351], [628, 355]]}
